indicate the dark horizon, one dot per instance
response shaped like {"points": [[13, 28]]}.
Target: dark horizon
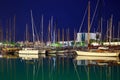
{"points": [[66, 14]]}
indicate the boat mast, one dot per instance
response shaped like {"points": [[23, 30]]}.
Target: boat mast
{"points": [[14, 28], [113, 32], [42, 28], [58, 35], [52, 29], [75, 35], [118, 30], [101, 28], [63, 36], [111, 28], [54, 33], [7, 22], [68, 38], [1, 32], [49, 31], [10, 35], [32, 27], [107, 31], [88, 23], [26, 32]]}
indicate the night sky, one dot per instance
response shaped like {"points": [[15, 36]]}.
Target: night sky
{"points": [[66, 14]]}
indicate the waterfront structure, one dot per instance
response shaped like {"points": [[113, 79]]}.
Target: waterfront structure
{"points": [[84, 36]]}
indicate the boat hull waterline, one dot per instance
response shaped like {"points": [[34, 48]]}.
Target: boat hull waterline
{"points": [[104, 54]]}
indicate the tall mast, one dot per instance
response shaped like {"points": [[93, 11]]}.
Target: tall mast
{"points": [[63, 35], [32, 27], [101, 28], [42, 28], [107, 32], [10, 35], [1, 32], [113, 32], [52, 28], [118, 30], [88, 22], [49, 31], [74, 35], [68, 38], [26, 32], [55, 32], [111, 27], [7, 22], [58, 35], [14, 28]]}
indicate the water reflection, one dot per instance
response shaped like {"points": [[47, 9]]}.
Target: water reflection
{"points": [[59, 68], [91, 60]]}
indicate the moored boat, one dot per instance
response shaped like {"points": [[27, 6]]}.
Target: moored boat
{"points": [[51, 52], [9, 50], [102, 54], [97, 58], [29, 53]]}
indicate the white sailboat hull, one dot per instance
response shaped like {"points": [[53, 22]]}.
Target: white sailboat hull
{"points": [[97, 58], [104, 54], [33, 52], [29, 53]]}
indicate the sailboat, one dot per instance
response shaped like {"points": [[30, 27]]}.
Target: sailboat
{"points": [[42, 50], [89, 53], [97, 58], [29, 53], [99, 54]]}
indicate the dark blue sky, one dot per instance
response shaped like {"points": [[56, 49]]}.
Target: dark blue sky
{"points": [[66, 13]]}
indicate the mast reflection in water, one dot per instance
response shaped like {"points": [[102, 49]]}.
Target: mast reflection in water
{"points": [[58, 68]]}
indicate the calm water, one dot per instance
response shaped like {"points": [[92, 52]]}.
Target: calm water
{"points": [[55, 69]]}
